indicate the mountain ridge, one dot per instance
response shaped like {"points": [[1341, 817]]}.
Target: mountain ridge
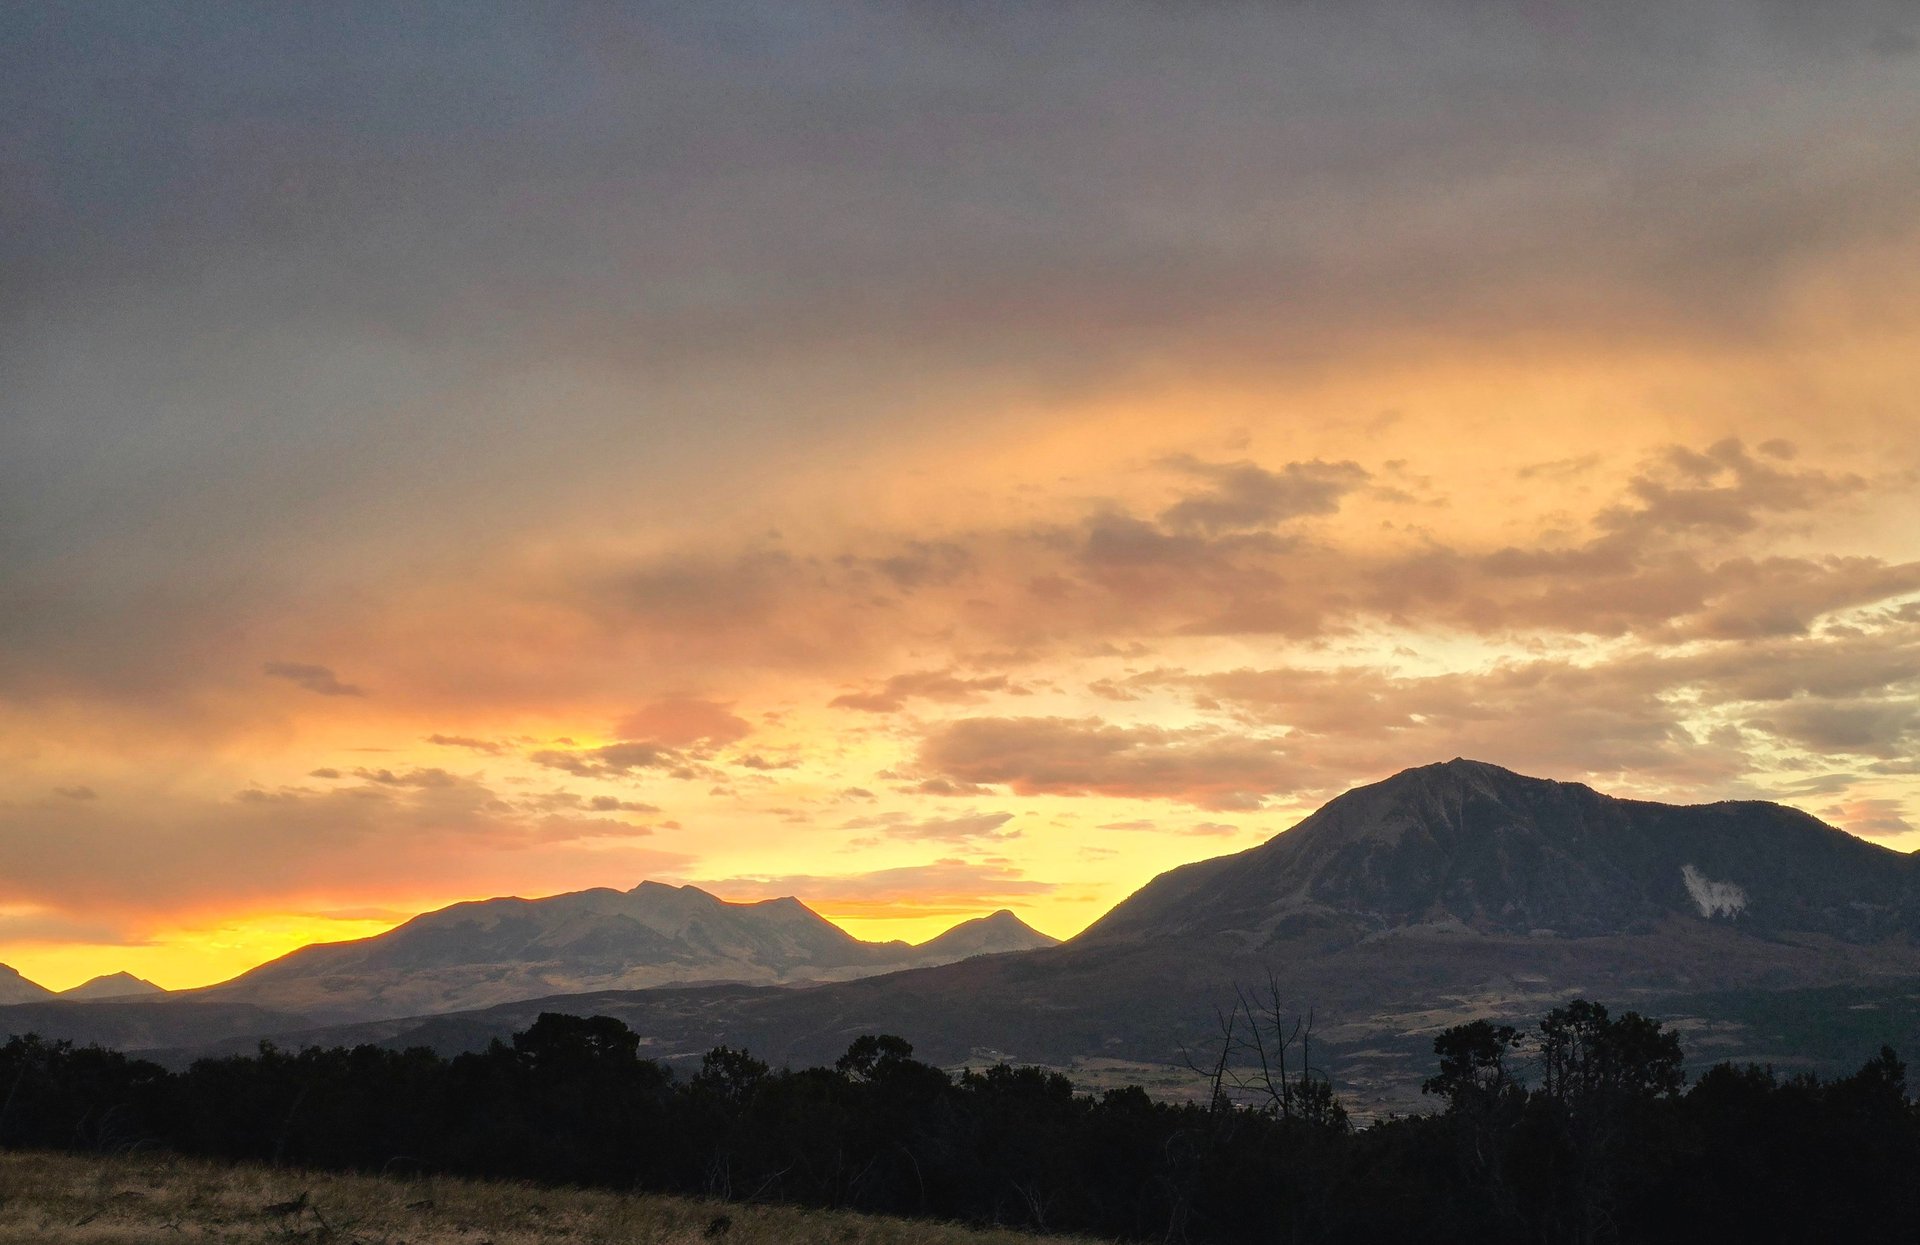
{"points": [[481, 952]]}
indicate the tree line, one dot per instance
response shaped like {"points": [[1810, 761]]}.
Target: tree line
{"points": [[1579, 1129]]}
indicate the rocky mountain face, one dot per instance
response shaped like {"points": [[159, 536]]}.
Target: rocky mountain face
{"points": [[498, 950], [17, 989], [1469, 847], [113, 986]]}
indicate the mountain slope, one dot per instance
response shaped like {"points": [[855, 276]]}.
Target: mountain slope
{"points": [[497, 950], [17, 989]]}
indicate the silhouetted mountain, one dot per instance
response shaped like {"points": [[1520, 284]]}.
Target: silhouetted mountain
{"points": [[986, 935], [112, 986], [1477, 848], [17, 989], [499, 950], [1439, 895]]}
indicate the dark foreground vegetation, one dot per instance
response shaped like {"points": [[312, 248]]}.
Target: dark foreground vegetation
{"points": [[154, 1198], [1578, 1130]]}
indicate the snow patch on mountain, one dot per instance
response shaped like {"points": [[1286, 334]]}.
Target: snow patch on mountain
{"points": [[1711, 897]]}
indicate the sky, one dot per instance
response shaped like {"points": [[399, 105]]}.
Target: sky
{"points": [[923, 458]]}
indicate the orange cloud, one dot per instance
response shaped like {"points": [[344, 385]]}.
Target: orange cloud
{"points": [[937, 685], [1871, 817], [683, 721]]}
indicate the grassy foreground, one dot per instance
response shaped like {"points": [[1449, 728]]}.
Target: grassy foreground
{"points": [[57, 1199]]}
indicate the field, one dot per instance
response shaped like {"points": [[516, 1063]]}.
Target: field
{"points": [[53, 1199]]}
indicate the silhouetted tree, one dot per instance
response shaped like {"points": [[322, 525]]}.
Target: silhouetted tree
{"points": [[1608, 1146]]}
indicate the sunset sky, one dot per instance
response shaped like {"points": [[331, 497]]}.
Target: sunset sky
{"points": [[923, 458]]}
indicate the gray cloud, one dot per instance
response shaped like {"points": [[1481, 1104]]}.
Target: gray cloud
{"points": [[369, 837], [1859, 727], [946, 787], [385, 215], [1722, 488], [611, 760], [937, 685], [1061, 756], [1635, 715], [1872, 817], [1207, 828], [684, 721], [556, 800], [1245, 495], [411, 778], [962, 829], [317, 679], [409, 234], [466, 741], [1114, 575], [922, 562]]}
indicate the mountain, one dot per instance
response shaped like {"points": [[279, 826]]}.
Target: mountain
{"points": [[112, 986], [1469, 847], [17, 989], [986, 935], [498, 950], [1439, 895]]}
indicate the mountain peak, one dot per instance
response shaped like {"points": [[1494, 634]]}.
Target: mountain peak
{"points": [[986, 935], [112, 986], [1461, 771]]}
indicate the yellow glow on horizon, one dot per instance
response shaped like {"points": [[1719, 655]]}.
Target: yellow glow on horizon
{"points": [[185, 959]]}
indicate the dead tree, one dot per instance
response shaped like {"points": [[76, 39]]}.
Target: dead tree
{"points": [[1262, 1059]]}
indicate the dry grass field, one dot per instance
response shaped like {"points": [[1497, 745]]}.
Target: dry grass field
{"points": [[53, 1199]]}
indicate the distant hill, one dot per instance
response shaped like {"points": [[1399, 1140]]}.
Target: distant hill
{"points": [[500, 950], [159, 1022], [112, 986], [17, 989]]}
